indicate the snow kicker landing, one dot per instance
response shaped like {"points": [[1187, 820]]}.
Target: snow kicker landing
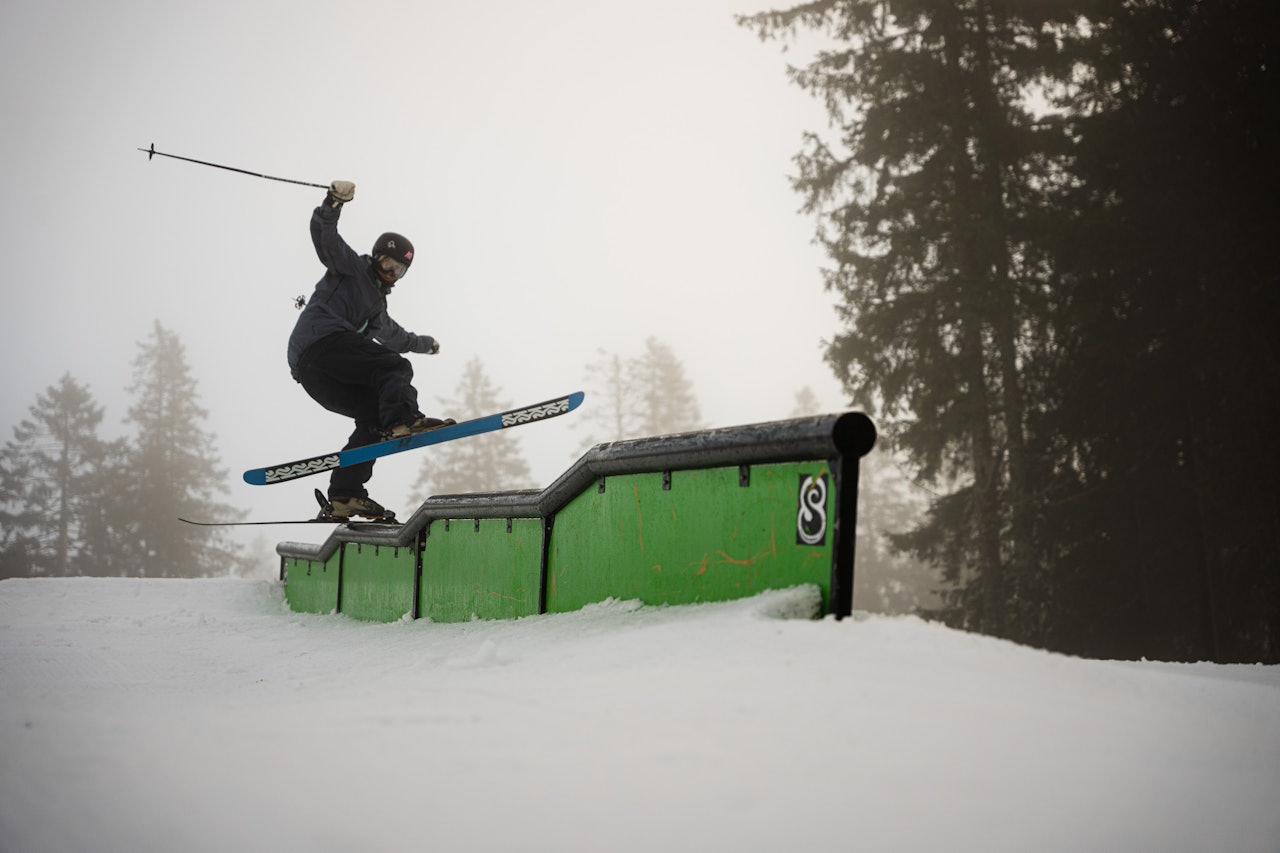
{"points": [[703, 516]]}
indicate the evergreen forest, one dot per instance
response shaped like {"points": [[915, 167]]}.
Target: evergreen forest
{"points": [[73, 503], [1049, 227]]}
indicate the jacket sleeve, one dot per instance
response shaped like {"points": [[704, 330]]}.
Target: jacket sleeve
{"points": [[393, 336], [332, 250]]}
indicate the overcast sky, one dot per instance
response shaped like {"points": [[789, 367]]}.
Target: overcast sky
{"points": [[575, 174]]}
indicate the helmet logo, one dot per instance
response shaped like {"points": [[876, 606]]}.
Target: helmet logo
{"points": [[391, 244]]}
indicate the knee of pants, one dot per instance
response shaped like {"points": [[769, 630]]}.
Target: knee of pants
{"points": [[399, 372]]}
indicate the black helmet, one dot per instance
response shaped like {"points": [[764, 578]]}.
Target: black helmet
{"points": [[395, 246]]}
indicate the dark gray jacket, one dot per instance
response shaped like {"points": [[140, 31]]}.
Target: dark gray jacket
{"points": [[350, 297]]}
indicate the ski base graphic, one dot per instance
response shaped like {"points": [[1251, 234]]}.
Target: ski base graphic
{"points": [[489, 423]]}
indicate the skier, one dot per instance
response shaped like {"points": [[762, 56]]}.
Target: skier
{"points": [[345, 348]]}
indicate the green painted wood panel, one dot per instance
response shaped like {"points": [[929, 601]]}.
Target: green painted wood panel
{"points": [[705, 538], [377, 581], [486, 572], [312, 586]]}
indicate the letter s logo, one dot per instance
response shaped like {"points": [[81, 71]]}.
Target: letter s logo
{"points": [[811, 520]]}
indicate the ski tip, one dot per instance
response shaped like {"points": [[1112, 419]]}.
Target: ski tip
{"points": [[256, 477]]}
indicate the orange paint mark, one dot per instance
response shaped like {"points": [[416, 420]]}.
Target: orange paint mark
{"points": [[727, 560]]}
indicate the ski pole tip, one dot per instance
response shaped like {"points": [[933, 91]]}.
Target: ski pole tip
{"points": [[150, 152]]}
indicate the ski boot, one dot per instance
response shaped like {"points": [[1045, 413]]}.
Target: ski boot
{"points": [[421, 423], [346, 509]]}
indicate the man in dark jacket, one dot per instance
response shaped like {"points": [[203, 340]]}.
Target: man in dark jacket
{"points": [[345, 348]]}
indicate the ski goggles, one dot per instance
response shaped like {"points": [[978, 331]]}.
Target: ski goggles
{"points": [[392, 267]]}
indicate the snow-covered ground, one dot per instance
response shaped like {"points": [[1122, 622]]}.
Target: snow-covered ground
{"points": [[182, 715]]}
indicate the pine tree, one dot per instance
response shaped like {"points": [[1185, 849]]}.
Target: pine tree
{"points": [[608, 385], [53, 486], [806, 404], [638, 397], [173, 469], [488, 462], [107, 524], [929, 202], [663, 396]]}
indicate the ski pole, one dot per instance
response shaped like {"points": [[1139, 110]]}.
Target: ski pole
{"points": [[152, 152]]}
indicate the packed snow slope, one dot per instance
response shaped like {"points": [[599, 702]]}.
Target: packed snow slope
{"points": [[164, 715]]}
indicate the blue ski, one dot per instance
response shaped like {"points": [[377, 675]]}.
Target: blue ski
{"points": [[489, 423]]}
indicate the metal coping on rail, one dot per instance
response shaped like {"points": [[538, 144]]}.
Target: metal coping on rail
{"points": [[847, 435]]}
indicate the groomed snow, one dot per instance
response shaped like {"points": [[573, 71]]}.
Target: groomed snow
{"points": [[185, 715]]}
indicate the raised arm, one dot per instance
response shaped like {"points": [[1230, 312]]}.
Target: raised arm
{"points": [[331, 249]]}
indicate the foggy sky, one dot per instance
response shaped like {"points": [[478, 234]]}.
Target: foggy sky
{"points": [[575, 174]]}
